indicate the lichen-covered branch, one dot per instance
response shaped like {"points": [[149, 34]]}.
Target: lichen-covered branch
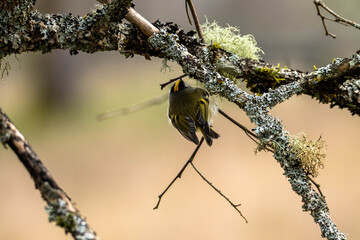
{"points": [[27, 30], [59, 206], [9, 4], [336, 84]]}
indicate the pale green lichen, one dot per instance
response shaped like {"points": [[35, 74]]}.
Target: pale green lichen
{"points": [[165, 65], [229, 39], [311, 154]]}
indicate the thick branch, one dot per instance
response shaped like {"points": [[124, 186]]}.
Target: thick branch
{"points": [[9, 5], [26, 30], [60, 208]]}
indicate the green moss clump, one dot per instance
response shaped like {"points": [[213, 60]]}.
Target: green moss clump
{"points": [[266, 77], [271, 74], [67, 222]]}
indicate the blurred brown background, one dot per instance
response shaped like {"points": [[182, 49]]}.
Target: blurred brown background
{"points": [[115, 170]]}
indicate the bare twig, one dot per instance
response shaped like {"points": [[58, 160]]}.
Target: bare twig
{"points": [[195, 17], [337, 18], [180, 173], [171, 80], [135, 18], [219, 192], [60, 208], [132, 108], [187, 11], [316, 185], [250, 134], [144, 25]]}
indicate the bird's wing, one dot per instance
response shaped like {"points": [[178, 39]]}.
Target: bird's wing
{"points": [[186, 126]]}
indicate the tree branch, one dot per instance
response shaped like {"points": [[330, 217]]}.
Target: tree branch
{"points": [[59, 206], [9, 5], [103, 31], [31, 31]]}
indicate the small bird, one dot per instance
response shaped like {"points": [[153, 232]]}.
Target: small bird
{"points": [[190, 109]]}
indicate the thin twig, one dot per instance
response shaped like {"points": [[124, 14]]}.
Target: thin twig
{"points": [[180, 173], [195, 17], [323, 18], [132, 108], [316, 185], [219, 192], [135, 18], [171, 80], [250, 134], [187, 12], [337, 18]]}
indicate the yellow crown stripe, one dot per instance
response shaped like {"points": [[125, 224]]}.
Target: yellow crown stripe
{"points": [[176, 86]]}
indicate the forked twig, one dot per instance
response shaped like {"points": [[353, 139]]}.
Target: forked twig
{"points": [[337, 18], [219, 192], [180, 173]]}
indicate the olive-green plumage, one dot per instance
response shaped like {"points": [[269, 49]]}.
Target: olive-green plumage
{"points": [[189, 111]]}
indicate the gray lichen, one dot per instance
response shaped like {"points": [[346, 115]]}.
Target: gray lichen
{"points": [[71, 221], [25, 29], [352, 88]]}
